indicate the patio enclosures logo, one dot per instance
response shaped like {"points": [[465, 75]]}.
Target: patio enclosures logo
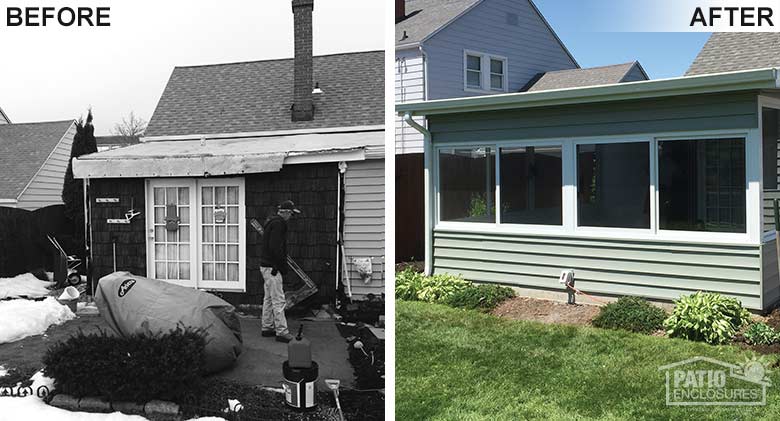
{"points": [[62, 16], [702, 381]]}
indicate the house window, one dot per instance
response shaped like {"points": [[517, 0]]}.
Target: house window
{"points": [[197, 231], [701, 185], [613, 185], [497, 74], [467, 188], [473, 72], [531, 185], [484, 72]]}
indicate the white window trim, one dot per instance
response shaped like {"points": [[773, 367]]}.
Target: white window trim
{"points": [[484, 72], [196, 266], [753, 220]]}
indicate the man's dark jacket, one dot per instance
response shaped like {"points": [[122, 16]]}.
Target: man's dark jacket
{"points": [[274, 252]]}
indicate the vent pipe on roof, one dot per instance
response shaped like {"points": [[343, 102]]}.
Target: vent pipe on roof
{"points": [[303, 103], [400, 10]]}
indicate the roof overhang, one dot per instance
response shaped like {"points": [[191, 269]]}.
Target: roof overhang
{"points": [[231, 156], [761, 79]]}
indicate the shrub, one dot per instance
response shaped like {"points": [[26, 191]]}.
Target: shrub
{"points": [[411, 285], [706, 316], [136, 368], [438, 288], [633, 314], [408, 283], [480, 297], [761, 334]]}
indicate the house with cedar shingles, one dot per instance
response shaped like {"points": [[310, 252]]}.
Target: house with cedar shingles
{"points": [[227, 143], [465, 48], [33, 161]]}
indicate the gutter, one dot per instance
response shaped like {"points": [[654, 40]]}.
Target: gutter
{"points": [[271, 133], [689, 85], [428, 165]]}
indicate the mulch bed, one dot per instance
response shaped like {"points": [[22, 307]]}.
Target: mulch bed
{"points": [[263, 404], [524, 308]]}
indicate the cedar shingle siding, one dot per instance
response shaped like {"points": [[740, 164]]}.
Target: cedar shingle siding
{"points": [[311, 236]]}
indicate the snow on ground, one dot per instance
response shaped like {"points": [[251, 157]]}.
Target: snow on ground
{"points": [[22, 318], [3, 371], [25, 285]]}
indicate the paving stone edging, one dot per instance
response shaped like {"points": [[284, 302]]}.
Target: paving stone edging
{"points": [[154, 410]]}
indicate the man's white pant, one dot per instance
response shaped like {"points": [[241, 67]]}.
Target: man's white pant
{"points": [[273, 302]]}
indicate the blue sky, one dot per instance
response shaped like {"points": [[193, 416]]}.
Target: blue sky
{"points": [[580, 24]]}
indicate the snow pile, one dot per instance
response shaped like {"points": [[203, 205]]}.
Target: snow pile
{"points": [[25, 285], [3, 371], [22, 318], [34, 408]]}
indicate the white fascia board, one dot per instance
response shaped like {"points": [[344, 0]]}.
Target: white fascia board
{"points": [[349, 129], [689, 85]]}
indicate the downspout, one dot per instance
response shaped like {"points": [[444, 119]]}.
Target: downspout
{"points": [[88, 237], [428, 165], [341, 259]]}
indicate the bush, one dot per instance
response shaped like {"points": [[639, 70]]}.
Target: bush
{"points": [[761, 334], [408, 283], [706, 316], [480, 297], [136, 368], [411, 285], [438, 288], [633, 314]]}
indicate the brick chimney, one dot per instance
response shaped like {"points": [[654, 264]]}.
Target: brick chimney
{"points": [[303, 103], [400, 10]]}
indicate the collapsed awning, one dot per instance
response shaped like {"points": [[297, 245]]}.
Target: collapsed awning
{"points": [[213, 157]]}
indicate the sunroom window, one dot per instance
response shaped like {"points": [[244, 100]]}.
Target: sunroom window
{"points": [[467, 184], [613, 185], [702, 185], [531, 185]]}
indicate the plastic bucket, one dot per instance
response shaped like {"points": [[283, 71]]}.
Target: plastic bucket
{"points": [[300, 386]]}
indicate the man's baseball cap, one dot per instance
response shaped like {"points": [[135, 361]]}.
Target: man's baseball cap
{"points": [[288, 205]]}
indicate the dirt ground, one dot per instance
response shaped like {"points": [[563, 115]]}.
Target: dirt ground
{"points": [[524, 308]]}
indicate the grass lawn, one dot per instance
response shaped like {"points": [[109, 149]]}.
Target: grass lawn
{"points": [[459, 364]]}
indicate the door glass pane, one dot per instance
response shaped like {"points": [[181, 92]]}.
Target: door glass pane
{"points": [[467, 184], [232, 275], [613, 185], [184, 270], [184, 196], [232, 253], [208, 252], [159, 234], [701, 185], [232, 195], [159, 196], [220, 252], [173, 271], [184, 234], [171, 197], [208, 271], [219, 195], [184, 252], [208, 234], [207, 195], [232, 234], [208, 215], [220, 273], [159, 215], [184, 214], [232, 215], [221, 234], [160, 271], [532, 185]]}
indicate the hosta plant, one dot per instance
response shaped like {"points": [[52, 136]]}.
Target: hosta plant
{"points": [[408, 283], [706, 316], [438, 288], [761, 334]]}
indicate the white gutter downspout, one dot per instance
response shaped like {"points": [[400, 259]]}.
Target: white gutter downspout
{"points": [[428, 165]]}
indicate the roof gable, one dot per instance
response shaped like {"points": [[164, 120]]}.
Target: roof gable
{"points": [[735, 51], [4, 118], [24, 148], [594, 76], [256, 96], [425, 17]]}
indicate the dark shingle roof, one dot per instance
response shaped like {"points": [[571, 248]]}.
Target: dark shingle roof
{"points": [[116, 140], [575, 78], [256, 96], [425, 17], [23, 150], [734, 51]]}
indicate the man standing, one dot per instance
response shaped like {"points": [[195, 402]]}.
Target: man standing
{"points": [[273, 265]]}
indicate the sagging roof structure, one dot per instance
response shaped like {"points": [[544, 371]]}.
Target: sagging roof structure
{"points": [[235, 119]]}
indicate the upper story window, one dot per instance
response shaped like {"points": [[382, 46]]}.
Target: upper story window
{"points": [[484, 72]]}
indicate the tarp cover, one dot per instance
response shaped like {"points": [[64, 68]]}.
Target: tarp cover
{"points": [[134, 304]]}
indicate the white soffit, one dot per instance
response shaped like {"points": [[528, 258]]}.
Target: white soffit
{"points": [[214, 157]]}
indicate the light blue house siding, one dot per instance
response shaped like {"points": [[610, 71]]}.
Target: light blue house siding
{"points": [[508, 28], [656, 268]]}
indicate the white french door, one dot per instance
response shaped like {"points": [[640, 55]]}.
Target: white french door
{"points": [[203, 244]]}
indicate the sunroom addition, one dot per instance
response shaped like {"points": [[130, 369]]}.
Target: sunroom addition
{"points": [[653, 188]]}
